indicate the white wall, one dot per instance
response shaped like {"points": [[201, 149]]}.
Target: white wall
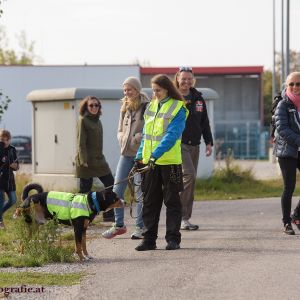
{"points": [[18, 81]]}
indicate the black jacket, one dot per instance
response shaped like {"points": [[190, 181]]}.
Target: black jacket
{"points": [[287, 134], [7, 179], [197, 123]]}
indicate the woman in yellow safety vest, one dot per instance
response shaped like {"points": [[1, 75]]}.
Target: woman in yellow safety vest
{"points": [[160, 149]]}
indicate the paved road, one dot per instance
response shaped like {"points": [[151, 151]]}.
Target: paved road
{"points": [[240, 252]]}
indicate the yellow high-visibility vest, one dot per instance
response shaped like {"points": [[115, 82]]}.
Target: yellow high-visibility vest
{"points": [[68, 206], [156, 124]]}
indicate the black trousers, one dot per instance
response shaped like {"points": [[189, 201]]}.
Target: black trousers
{"points": [[288, 166], [85, 186], [160, 185]]}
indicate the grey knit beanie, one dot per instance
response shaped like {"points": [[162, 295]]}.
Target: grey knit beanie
{"points": [[134, 82]]}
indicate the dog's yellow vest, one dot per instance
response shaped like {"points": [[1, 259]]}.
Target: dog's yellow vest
{"points": [[66, 206]]}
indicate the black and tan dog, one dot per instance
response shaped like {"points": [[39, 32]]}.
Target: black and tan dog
{"points": [[77, 210]]}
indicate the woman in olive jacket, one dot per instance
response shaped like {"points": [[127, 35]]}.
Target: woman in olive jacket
{"points": [[90, 161]]}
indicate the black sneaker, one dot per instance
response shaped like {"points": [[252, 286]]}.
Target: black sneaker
{"points": [[109, 216], [172, 246], [288, 229], [145, 246]]}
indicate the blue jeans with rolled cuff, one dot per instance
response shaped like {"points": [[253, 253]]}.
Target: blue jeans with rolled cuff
{"points": [[4, 206], [125, 164]]}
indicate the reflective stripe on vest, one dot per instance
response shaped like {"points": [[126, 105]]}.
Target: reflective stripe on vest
{"points": [[67, 206], [156, 124]]}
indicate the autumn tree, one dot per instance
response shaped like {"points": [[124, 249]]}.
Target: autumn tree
{"points": [[25, 56], [267, 81]]}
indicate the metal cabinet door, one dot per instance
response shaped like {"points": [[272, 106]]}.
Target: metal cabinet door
{"points": [[55, 137]]}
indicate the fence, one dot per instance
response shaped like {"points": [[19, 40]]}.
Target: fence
{"points": [[247, 140]]}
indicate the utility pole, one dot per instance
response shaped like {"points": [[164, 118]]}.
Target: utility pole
{"points": [[282, 44], [287, 40], [274, 87]]}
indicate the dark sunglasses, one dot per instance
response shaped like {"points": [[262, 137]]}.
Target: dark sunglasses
{"points": [[185, 69], [93, 105], [297, 84]]}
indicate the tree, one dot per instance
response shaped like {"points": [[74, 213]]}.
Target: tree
{"points": [[10, 57], [1, 11], [3, 104], [25, 56], [267, 95]]}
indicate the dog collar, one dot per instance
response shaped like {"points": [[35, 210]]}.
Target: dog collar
{"points": [[96, 204]]}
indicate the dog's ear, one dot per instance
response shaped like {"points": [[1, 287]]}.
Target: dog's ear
{"points": [[106, 199], [110, 196], [28, 218]]}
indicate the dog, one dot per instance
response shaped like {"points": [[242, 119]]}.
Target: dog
{"points": [[296, 216], [77, 210]]}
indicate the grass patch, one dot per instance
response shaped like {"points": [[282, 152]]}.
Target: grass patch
{"points": [[35, 278], [23, 245], [234, 183]]}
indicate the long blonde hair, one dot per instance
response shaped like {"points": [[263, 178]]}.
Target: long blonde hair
{"points": [[134, 104], [131, 104]]}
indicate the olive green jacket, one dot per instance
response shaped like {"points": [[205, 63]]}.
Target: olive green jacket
{"points": [[89, 148]]}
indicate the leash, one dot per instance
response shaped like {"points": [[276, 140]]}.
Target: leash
{"points": [[141, 170], [131, 185]]}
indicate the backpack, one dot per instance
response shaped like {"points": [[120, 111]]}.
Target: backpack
{"points": [[144, 106], [275, 102]]}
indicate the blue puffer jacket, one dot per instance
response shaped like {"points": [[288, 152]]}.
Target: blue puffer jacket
{"points": [[287, 134]]}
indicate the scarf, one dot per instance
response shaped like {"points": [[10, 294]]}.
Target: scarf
{"points": [[295, 99]]}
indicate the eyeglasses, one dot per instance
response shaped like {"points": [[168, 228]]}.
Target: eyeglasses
{"points": [[93, 105], [185, 69], [297, 84]]}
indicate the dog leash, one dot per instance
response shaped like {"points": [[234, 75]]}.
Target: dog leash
{"points": [[130, 179], [131, 186], [141, 170]]}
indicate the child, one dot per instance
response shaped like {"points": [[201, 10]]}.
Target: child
{"points": [[8, 164]]}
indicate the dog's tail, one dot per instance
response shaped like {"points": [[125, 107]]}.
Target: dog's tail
{"points": [[26, 199]]}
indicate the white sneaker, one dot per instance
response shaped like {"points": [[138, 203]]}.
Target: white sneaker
{"points": [[113, 231], [138, 233], [186, 225]]}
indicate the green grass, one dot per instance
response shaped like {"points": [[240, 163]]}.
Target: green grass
{"points": [[34, 278], [23, 245], [234, 183]]}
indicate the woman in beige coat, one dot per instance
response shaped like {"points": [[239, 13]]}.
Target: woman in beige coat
{"points": [[130, 130], [90, 161]]}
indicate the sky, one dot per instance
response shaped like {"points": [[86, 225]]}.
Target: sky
{"points": [[156, 33]]}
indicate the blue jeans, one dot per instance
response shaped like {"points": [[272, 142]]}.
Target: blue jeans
{"points": [[12, 199], [125, 164]]}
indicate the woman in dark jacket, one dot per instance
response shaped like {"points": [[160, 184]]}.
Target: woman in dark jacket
{"points": [[8, 164], [287, 144], [90, 161]]}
